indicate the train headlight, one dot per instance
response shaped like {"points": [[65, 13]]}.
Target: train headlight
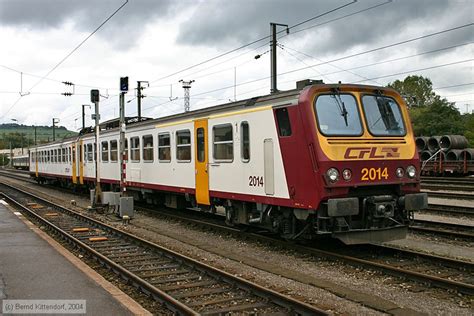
{"points": [[411, 172], [347, 174], [400, 172], [333, 174]]}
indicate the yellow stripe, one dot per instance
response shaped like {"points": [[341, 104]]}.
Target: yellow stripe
{"points": [[262, 108], [173, 123]]}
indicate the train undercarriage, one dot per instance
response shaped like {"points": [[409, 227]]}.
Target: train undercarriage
{"points": [[357, 219]]}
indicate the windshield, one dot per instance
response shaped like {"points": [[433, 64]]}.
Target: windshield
{"points": [[338, 115], [383, 116]]}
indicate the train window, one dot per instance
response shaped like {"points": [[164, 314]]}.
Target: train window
{"points": [[383, 116], [55, 155], [147, 148], [105, 151], [164, 147], [201, 145], [135, 149], [338, 115], [63, 154], [245, 141], [284, 126], [90, 153], [70, 154], [113, 151], [183, 145], [223, 143]]}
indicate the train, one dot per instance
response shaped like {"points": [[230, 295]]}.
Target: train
{"points": [[21, 162], [335, 160]]}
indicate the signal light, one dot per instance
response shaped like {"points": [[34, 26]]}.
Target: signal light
{"points": [[124, 84], [94, 96]]}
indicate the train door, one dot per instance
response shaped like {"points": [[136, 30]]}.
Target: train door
{"points": [[81, 162], [36, 162], [73, 162], [201, 162]]}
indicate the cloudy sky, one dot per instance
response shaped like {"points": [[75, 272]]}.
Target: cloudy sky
{"points": [[163, 41]]}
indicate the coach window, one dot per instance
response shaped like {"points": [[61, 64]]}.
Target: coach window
{"points": [[69, 154], [223, 143], [85, 153], [113, 151], [135, 149], [90, 153], [183, 146], [56, 154], [245, 141], [147, 150], [105, 151], [64, 154], [164, 147], [201, 145], [284, 126]]}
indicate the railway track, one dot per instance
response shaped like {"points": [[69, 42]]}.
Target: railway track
{"points": [[449, 195], [465, 184], [400, 263], [182, 284], [448, 180], [446, 229], [365, 257], [450, 209]]}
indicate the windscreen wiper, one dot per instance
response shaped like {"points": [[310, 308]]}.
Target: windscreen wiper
{"points": [[386, 114], [340, 105]]}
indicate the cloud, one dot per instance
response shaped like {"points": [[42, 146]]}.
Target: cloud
{"points": [[240, 22], [122, 30]]}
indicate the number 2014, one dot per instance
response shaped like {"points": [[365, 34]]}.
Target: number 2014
{"points": [[374, 174], [255, 181]]}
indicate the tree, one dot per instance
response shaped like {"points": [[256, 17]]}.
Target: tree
{"points": [[417, 89], [430, 113]]}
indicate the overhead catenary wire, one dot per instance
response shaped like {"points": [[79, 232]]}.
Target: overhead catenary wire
{"points": [[251, 43], [280, 34], [66, 57]]}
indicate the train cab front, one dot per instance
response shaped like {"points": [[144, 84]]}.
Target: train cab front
{"points": [[369, 167]]}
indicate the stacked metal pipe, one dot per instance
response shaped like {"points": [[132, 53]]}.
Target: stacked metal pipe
{"points": [[453, 147]]}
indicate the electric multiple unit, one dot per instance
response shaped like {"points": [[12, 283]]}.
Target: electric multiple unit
{"points": [[323, 159]]}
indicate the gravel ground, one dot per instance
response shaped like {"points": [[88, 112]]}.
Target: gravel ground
{"points": [[168, 234]]}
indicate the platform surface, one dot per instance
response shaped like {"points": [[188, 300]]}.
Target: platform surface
{"points": [[31, 269]]}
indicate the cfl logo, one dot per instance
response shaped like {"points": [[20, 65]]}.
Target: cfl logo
{"points": [[371, 153]]}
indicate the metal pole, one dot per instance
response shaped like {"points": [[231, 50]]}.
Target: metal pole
{"points": [[11, 155], [98, 191], [83, 116], [54, 133], [123, 188], [139, 99], [273, 56]]}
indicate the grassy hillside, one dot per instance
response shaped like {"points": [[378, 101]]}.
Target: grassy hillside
{"points": [[24, 135]]}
